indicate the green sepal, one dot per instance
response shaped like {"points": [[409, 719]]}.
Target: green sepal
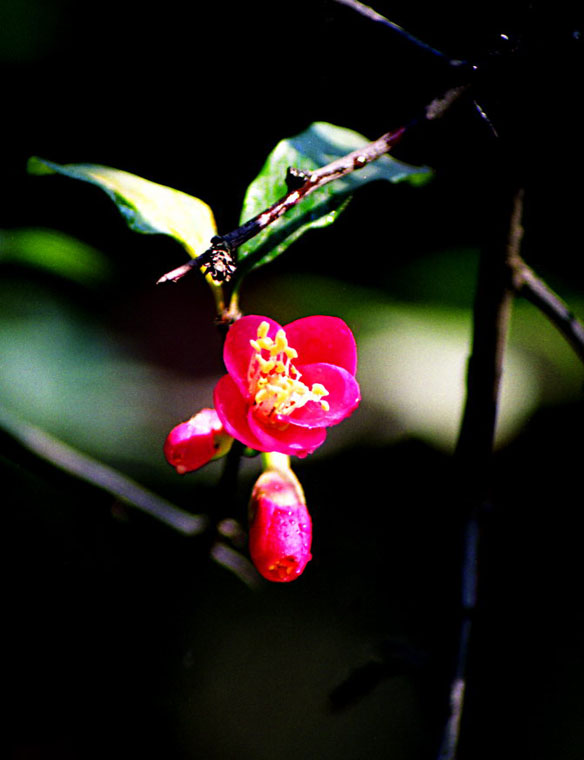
{"points": [[250, 453]]}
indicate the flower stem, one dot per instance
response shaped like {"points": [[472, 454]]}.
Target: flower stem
{"points": [[273, 460]]}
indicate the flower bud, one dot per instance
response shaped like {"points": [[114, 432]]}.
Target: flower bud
{"points": [[197, 441], [280, 531]]}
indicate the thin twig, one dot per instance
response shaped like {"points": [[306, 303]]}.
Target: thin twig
{"points": [[535, 290], [100, 475], [237, 563], [373, 15]]}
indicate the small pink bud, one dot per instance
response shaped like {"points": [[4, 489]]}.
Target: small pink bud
{"points": [[280, 532], [197, 441]]}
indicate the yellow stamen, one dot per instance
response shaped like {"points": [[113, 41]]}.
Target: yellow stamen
{"points": [[275, 382], [266, 365]]}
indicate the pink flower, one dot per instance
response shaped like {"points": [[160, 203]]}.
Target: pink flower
{"points": [[287, 385], [197, 441], [280, 532]]}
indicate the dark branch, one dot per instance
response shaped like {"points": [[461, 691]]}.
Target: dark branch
{"points": [[485, 366], [99, 475], [477, 434]]}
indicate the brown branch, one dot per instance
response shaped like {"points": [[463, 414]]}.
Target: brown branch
{"points": [[223, 246], [219, 259]]}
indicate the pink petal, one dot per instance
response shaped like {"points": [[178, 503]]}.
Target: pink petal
{"points": [[237, 352], [232, 409], [344, 396], [323, 339], [292, 440]]}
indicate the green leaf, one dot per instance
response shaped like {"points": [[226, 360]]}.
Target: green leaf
{"points": [[317, 146], [55, 252], [146, 206]]}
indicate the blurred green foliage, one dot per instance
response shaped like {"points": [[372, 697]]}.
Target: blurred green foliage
{"points": [[55, 252]]}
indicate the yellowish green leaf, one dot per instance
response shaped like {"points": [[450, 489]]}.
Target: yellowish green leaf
{"points": [[147, 207]]}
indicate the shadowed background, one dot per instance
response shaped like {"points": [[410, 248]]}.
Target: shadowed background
{"points": [[125, 639]]}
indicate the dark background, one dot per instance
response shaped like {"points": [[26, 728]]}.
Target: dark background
{"points": [[125, 640]]}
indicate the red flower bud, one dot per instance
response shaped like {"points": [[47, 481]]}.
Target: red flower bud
{"points": [[197, 441], [280, 532]]}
